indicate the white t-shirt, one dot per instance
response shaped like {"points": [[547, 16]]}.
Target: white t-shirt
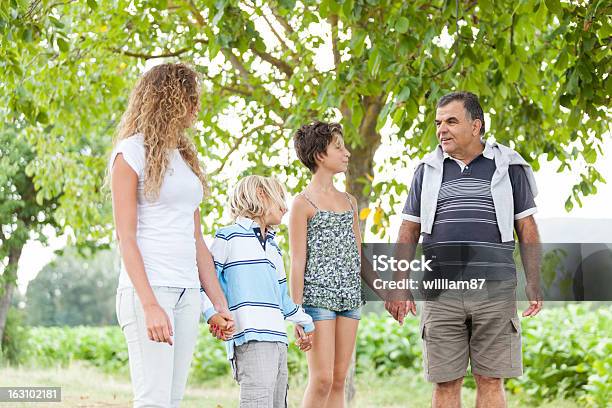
{"points": [[165, 231]]}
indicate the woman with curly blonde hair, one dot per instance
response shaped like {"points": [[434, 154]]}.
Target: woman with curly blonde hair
{"points": [[157, 186]]}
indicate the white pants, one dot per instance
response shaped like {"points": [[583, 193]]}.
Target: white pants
{"points": [[159, 371]]}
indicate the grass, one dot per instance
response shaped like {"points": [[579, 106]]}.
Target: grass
{"points": [[84, 386]]}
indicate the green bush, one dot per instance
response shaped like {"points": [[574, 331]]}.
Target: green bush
{"points": [[103, 347], [567, 352], [384, 346], [15, 335], [209, 358]]}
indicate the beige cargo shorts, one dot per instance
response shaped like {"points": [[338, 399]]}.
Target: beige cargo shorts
{"points": [[476, 326]]}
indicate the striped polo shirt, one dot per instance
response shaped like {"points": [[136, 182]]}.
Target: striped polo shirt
{"points": [[252, 275], [465, 241]]}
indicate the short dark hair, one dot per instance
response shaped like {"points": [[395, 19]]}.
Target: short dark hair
{"points": [[312, 140], [470, 103]]}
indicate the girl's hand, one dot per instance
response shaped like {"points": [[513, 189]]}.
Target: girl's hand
{"points": [[159, 327], [303, 340]]}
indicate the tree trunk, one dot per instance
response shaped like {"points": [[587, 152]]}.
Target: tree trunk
{"points": [[9, 279], [361, 165]]}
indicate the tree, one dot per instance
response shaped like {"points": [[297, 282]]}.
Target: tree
{"points": [[74, 290], [51, 168], [23, 212], [537, 66]]}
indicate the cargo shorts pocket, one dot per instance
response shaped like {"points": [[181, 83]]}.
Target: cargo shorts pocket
{"points": [[254, 397], [234, 369], [423, 339], [238, 355], [515, 342]]}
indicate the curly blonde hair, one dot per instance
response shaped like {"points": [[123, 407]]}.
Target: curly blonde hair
{"points": [[160, 108]]}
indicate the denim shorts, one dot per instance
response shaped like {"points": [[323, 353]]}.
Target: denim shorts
{"points": [[320, 313]]}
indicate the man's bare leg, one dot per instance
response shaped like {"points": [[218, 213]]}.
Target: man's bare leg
{"points": [[489, 392], [447, 394]]}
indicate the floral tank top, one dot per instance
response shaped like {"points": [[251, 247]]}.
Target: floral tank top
{"points": [[332, 278]]}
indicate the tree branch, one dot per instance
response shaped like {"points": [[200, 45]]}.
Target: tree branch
{"points": [[31, 9], [280, 64], [238, 66], [196, 13], [456, 58], [166, 54], [372, 107], [282, 20], [333, 21], [236, 145], [276, 34], [346, 112], [231, 89], [518, 91], [151, 56], [59, 3]]}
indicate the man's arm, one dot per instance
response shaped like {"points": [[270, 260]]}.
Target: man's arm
{"points": [[407, 241], [531, 255]]}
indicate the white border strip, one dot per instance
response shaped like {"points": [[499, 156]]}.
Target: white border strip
{"points": [[525, 213]]}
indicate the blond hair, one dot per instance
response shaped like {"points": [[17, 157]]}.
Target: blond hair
{"points": [[159, 108], [246, 202]]}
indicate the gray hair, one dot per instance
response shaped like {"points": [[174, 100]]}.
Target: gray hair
{"points": [[470, 104]]}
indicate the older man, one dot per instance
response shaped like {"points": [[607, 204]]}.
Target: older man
{"points": [[467, 198]]}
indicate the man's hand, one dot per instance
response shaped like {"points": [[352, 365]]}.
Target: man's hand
{"points": [[302, 339], [398, 309], [535, 300], [531, 255]]}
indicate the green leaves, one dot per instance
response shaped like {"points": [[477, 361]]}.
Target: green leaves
{"points": [[374, 61], [63, 44], [402, 24], [554, 6], [358, 42], [514, 70], [92, 4], [539, 66]]}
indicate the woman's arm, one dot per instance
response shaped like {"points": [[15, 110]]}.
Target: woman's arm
{"points": [[298, 220], [124, 183], [206, 269]]}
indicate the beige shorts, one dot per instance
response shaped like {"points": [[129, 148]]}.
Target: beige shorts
{"points": [[464, 326]]}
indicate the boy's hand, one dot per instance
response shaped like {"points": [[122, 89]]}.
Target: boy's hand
{"points": [[303, 340], [221, 325]]}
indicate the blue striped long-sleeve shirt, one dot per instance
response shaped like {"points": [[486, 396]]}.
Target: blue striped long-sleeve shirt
{"points": [[252, 276]]}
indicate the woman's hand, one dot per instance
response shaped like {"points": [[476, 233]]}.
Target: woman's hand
{"points": [[159, 327], [221, 325]]}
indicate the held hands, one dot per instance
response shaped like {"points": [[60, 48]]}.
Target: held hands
{"points": [[159, 327], [221, 325], [534, 295], [302, 339], [398, 309]]}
